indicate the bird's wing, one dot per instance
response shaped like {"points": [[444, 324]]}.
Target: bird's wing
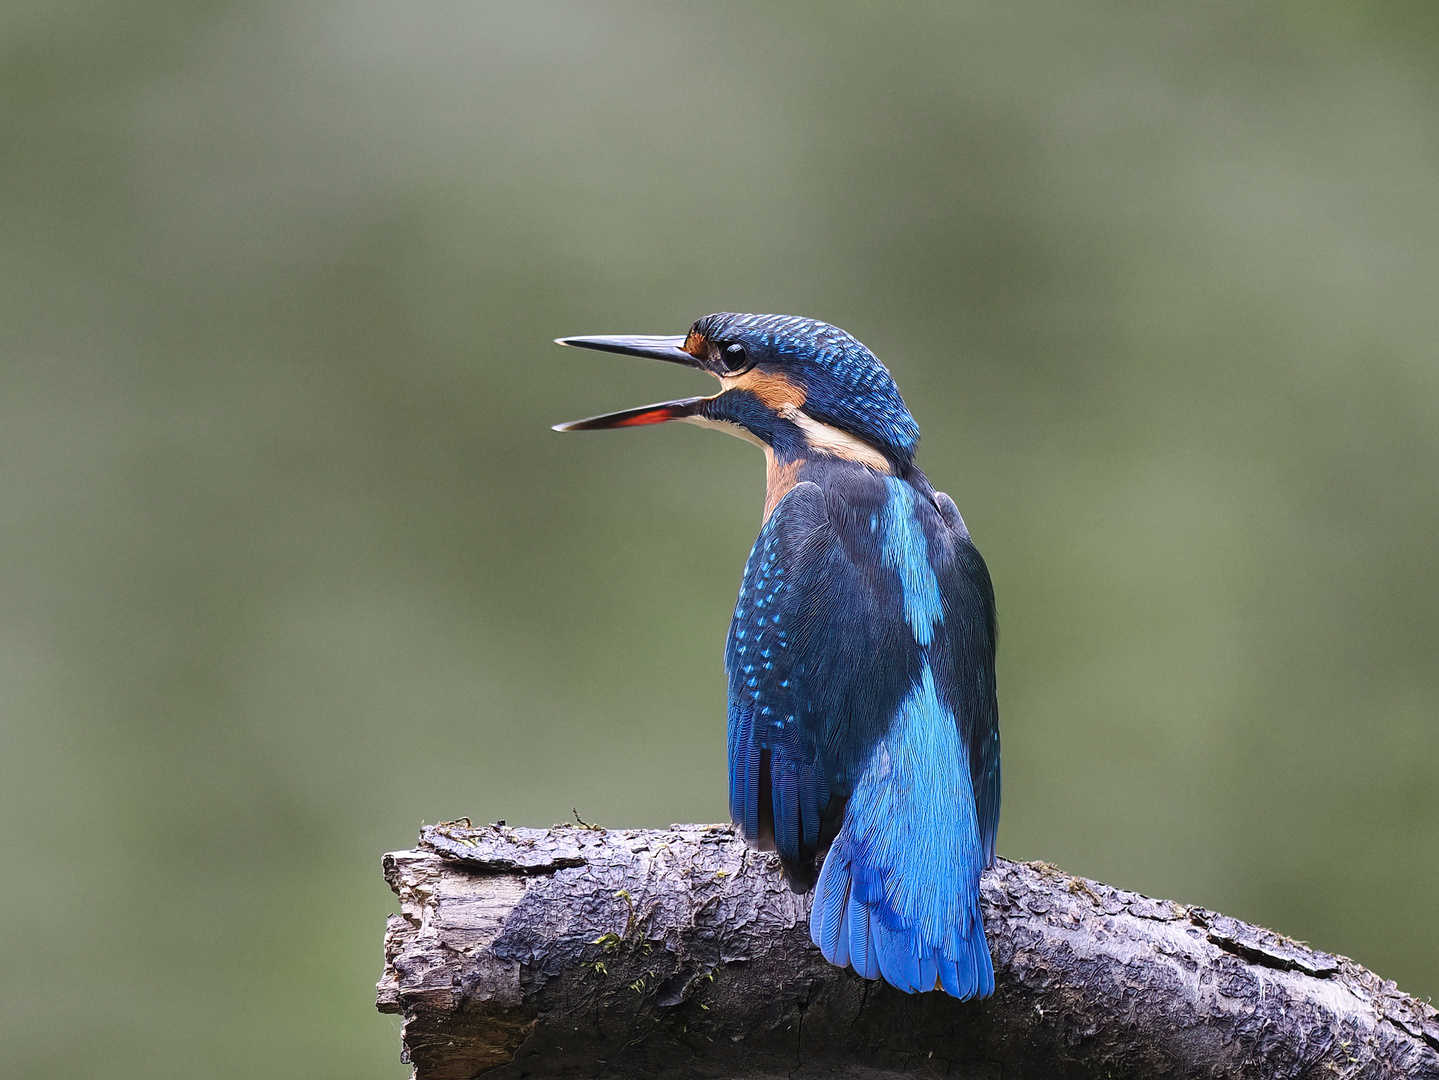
{"points": [[813, 678], [968, 599], [778, 791]]}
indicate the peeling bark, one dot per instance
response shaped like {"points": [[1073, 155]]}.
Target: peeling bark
{"points": [[577, 951]]}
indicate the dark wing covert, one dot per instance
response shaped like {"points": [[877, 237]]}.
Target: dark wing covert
{"points": [[969, 619]]}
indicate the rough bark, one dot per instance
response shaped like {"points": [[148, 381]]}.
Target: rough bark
{"points": [[577, 951]]}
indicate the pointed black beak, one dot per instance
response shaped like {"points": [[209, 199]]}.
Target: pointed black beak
{"points": [[651, 346]]}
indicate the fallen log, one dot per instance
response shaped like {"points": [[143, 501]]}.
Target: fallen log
{"points": [[681, 952]]}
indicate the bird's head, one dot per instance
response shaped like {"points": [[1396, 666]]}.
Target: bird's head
{"points": [[796, 386]]}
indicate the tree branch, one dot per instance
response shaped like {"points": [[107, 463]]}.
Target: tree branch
{"points": [[562, 951]]}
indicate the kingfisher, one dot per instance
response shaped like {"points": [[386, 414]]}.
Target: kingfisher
{"points": [[863, 715]]}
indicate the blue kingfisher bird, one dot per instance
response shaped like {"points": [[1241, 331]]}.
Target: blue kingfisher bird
{"points": [[863, 719]]}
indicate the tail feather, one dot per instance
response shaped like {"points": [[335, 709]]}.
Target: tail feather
{"points": [[953, 983], [898, 959], [827, 917], [842, 939], [909, 855], [851, 930], [928, 973], [861, 940]]}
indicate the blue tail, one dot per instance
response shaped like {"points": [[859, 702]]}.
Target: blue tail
{"points": [[862, 934], [898, 895]]}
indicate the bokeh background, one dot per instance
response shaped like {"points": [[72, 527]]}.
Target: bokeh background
{"points": [[292, 561]]}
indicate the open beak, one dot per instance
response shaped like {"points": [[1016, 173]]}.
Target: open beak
{"points": [[653, 347], [645, 414]]}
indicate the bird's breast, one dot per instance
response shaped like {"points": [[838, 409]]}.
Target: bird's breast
{"points": [[779, 479]]}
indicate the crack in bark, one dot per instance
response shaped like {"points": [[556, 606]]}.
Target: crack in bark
{"points": [[1268, 959]]}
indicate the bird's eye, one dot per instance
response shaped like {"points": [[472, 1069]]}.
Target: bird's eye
{"points": [[734, 357]]}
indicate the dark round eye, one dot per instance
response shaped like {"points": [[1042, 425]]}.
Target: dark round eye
{"points": [[734, 356]]}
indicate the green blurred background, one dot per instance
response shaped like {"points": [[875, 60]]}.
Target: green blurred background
{"points": [[292, 560]]}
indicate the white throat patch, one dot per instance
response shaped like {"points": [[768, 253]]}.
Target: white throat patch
{"points": [[737, 430], [831, 440], [820, 437]]}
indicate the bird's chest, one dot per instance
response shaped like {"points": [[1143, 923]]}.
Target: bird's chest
{"points": [[780, 478]]}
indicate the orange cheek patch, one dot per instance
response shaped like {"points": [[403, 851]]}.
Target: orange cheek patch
{"points": [[774, 391]]}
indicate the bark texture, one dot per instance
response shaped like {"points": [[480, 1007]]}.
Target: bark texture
{"points": [[681, 952]]}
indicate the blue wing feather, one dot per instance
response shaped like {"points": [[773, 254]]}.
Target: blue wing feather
{"points": [[744, 762], [770, 750]]}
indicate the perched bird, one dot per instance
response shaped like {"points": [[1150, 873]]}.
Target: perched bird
{"points": [[863, 720]]}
